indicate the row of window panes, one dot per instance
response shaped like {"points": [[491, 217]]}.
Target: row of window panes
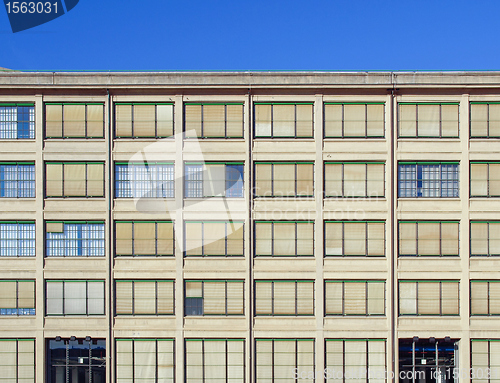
{"points": [[226, 238], [225, 120]]}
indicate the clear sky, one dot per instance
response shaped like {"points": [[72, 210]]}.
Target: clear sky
{"points": [[260, 35]]}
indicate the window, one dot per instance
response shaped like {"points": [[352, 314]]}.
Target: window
{"points": [[17, 239], [214, 180], [17, 297], [485, 179], [213, 297], [484, 239], [215, 360], [354, 298], [436, 179], [419, 120], [284, 179], [363, 358], [144, 120], [355, 238], [74, 120], [277, 360], [485, 297], [145, 297], [144, 238], [485, 360], [144, 180], [354, 120], [484, 119], [73, 297], [284, 120], [214, 238], [429, 297], [17, 121], [17, 179], [74, 179], [354, 179], [429, 238], [284, 238], [284, 297], [145, 360], [17, 360], [213, 120], [74, 239]]}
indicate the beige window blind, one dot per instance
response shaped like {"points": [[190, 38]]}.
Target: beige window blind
{"points": [[428, 120], [354, 120], [354, 297], [428, 238], [284, 179], [74, 120], [284, 120], [284, 297], [138, 238], [206, 120], [484, 120], [284, 238], [484, 179], [17, 297], [148, 120], [214, 238], [219, 297], [355, 179], [485, 359], [17, 360], [355, 238], [144, 297], [485, 297], [429, 298], [74, 179]]}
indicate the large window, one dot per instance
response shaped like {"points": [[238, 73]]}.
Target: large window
{"points": [[144, 120], [485, 360], [17, 360], [213, 120], [429, 297], [284, 179], [354, 179], [428, 120], [72, 297], [17, 297], [485, 179], [213, 238], [485, 297], [428, 179], [429, 238], [284, 238], [17, 179], [355, 238], [485, 119], [145, 360], [213, 297], [144, 297], [215, 360], [284, 297], [74, 239], [485, 238], [17, 121], [354, 297], [283, 120], [283, 360], [74, 179], [363, 358], [74, 120], [214, 180], [144, 180], [144, 238], [17, 239], [354, 120]]}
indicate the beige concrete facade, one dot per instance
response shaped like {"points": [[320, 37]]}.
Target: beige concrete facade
{"points": [[390, 88]]}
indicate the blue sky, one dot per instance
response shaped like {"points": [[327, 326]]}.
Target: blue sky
{"points": [[260, 35]]}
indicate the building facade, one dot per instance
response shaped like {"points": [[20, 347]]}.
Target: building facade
{"points": [[249, 227]]}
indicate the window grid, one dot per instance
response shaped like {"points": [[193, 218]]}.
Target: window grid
{"points": [[75, 239], [136, 242], [21, 367], [17, 180], [303, 245], [162, 303], [204, 131], [428, 180], [484, 297], [17, 239], [372, 188], [486, 184], [350, 240], [196, 305], [19, 295], [371, 130], [303, 306], [91, 128], [487, 243], [17, 121], [297, 130], [484, 363], [368, 296], [163, 128], [303, 187], [57, 303], [445, 128], [203, 180], [489, 125], [442, 300], [231, 227], [89, 182], [447, 247], [148, 180]]}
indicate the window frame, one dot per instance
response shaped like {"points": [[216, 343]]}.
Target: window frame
{"points": [[86, 179], [488, 180], [488, 239], [155, 314], [32, 124], [132, 104], [273, 239], [31, 189], [343, 163], [487, 103], [202, 281], [488, 297], [202, 120], [17, 364], [343, 222], [485, 370], [32, 312], [418, 171], [344, 136], [30, 249], [156, 222], [440, 281], [273, 282], [296, 180], [417, 104], [170, 183], [193, 185], [440, 255], [185, 255], [80, 248], [63, 137], [63, 299], [255, 136], [366, 282]]}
